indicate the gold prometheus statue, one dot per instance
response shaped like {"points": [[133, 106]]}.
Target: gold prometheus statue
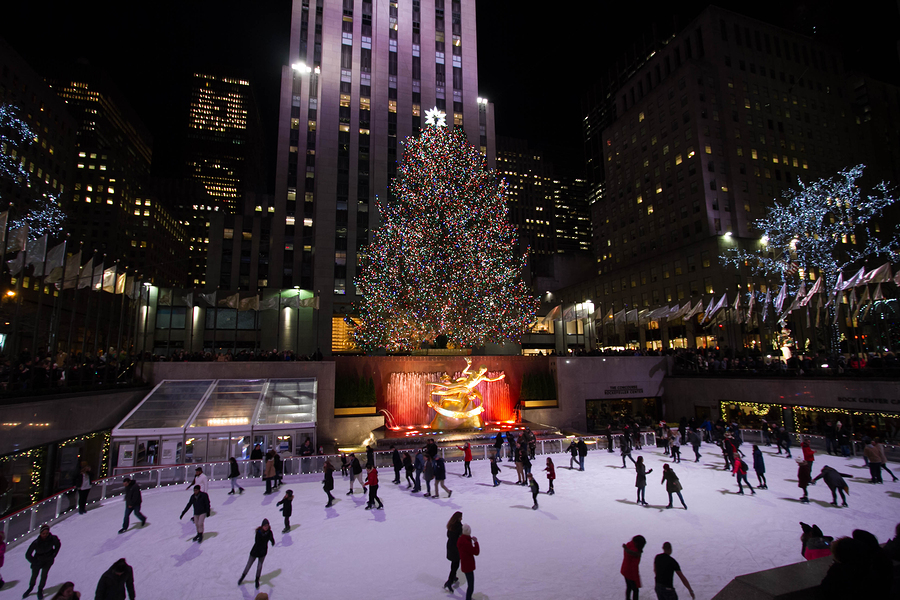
{"points": [[459, 404]]}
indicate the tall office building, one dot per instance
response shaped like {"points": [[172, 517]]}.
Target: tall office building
{"points": [[112, 210], [223, 149], [361, 73], [696, 139]]}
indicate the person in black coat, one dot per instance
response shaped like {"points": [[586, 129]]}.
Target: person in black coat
{"points": [[115, 582], [233, 476], [256, 457], [287, 509], [835, 482], [279, 470], [398, 463], [355, 474], [200, 501], [498, 445], [41, 554], [511, 440], [431, 449], [454, 529], [132, 503], [408, 465], [82, 483], [582, 452], [328, 482], [370, 457], [260, 548]]}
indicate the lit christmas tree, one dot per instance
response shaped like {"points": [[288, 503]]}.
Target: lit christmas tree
{"points": [[40, 212], [445, 260], [824, 228]]}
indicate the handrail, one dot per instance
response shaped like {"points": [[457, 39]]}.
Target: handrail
{"points": [[18, 525]]}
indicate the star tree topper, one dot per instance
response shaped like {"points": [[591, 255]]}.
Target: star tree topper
{"points": [[435, 117]]}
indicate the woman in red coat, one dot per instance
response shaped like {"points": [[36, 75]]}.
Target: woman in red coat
{"points": [[630, 564], [468, 550], [467, 457], [551, 474]]}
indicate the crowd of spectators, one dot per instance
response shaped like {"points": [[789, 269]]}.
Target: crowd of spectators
{"points": [[41, 371]]}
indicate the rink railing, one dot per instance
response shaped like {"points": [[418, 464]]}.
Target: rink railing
{"points": [[17, 526]]}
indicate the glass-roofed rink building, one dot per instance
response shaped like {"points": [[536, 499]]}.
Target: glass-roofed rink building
{"points": [[212, 420]]}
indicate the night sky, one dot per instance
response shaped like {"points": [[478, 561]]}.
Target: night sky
{"points": [[536, 59]]}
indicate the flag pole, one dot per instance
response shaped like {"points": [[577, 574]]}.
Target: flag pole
{"points": [[87, 310], [40, 300], [99, 310], [74, 310], [121, 318]]}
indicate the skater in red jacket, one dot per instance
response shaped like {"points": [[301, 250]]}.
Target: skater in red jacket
{"points": [[372, 482], [551, 474], [467, 457], [468, 550], [630, 566]]}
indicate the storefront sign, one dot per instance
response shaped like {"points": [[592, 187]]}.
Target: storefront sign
{"points": [[624, 390], [864, 400]]}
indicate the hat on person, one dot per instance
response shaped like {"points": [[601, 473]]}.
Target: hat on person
{"points": [[199, 469], [45, 528], [466, 530], [265, 522], [126, 479]]}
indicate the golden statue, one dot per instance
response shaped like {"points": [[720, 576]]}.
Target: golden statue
{"points": [[459, 405]]}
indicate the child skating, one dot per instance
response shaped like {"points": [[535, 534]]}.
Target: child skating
{"points": [[286, 509]]}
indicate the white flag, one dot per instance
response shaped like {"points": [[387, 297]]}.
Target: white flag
{"points": [[750, 307], [879, 275], [856, 279], [18, 238], [36, 254], [209, 298], [16, 264], [780, 298], [189, 299], [723, 301], [838, 286], [121, 280], [250, 303], [84, 276], [815, 289], [97, 278], [108, 280]]}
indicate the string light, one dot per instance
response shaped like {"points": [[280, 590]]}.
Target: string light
{"points": [[445, 260]]}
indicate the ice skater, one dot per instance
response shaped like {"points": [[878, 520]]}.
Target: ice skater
{"points": [[882, 457], [664, 568], [740, 473], [759, 465], [428, 474], [440, 475], [551, 475], [372, 482], [454, 530], [631, 561], [419, 464], [695, 440], [673, 486], [582, 453], [67, 591], [132, 503], [116, 582], [535, 490], [200, 479], [200, 501], [355, 473], [467, 459], [397, 461], [495, 470], [640, 481], [41, 554], [269, 471], [804, 478], [83, 484], [287, 509], [408, 466], [626, 450], [573, 453], [328, 482], [468, 550], [675, 446], [233, 476], [520, 470], [344, 465], [264, 537], [728, 449], [835, 482]]}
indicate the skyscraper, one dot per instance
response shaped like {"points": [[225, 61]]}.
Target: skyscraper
{"points": [[695, 140], [361, 74]]}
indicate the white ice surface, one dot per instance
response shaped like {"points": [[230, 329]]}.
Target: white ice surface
{"points": [[571, 547]]}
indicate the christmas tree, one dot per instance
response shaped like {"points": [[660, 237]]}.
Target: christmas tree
{"points": [[445, 260]]}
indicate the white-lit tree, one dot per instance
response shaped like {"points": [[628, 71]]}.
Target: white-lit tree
{"points": [[40, 211], [824, 227]]}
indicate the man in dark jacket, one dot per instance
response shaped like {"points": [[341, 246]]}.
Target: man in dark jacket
{"points": [[132, 503], [114, 583], [41, 554], [582, 452], [431, 449], [200, 501], [398, 463], [256, 456], [355, 473]]}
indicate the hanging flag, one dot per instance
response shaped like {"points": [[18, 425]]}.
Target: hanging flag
{"points": [[56, 260], [750, 307], [189, 299], [569, 314], [97, 278], [723, 301], [897, 277], [780, 298], [643, 316], [619, 317], [108, 280], [231, 301], [4, 217], [121, 282], [36, 254], [84, 274], [815, 289], [766, 303], [863, 300], [73, 268], [209, 298], [631, 315], [609, 315], [251, 303], [271, 303], [18, 238], [879, 275], [801, 293], [878, 295], [698, 308], [856, 280], [165, 298], [679, 313], [308, 302], [16, 264]]}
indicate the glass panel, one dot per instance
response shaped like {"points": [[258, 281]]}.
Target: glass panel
{"points": [[147, 452], [231, 402], [289, 401], [171, 450], [169, 406], [195, 450], [218, 447], [240, 446]]}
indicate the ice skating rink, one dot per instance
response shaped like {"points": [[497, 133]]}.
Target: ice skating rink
{"points": [[571, 547]]}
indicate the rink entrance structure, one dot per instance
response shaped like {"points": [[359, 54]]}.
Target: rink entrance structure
{"points": [[212, 420]]}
